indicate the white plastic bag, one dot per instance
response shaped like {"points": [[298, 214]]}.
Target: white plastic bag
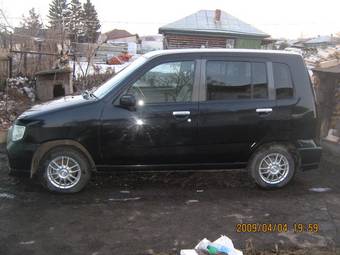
{"points": [[226, 242], [203, 244]]}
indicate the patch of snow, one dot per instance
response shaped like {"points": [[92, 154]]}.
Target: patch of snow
{"points": [[27, 242], [7, 195], [319, 189], [124, 199], [191, 201]]}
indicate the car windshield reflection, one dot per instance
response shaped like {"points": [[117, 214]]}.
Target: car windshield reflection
{"points": [[104, 89]]}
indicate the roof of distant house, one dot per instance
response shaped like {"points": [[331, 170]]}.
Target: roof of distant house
{"points": [[151, 38], [321, 39], [205, 22], [118, 33]]}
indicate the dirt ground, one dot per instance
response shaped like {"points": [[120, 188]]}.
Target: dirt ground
{"points": [[166, 212]]}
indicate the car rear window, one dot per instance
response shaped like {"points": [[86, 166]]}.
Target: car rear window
{"points": [[282, 81], [231, 80]]}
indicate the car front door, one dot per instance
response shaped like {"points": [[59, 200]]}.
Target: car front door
{"points": [[236, 108], [162, 127]]}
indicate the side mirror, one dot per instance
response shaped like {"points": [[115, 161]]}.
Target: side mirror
{"points": [[127, 100]]}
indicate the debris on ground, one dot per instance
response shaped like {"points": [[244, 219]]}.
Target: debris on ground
{"points": [[24, 86], [221, 246], [323, 57], [120, 59], [18, 96]]}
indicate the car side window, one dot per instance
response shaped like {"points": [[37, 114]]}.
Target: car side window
{"points": [[259, 80], [282, 81], [167, 82], [230, 80]]}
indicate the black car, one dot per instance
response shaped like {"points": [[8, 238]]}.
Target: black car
{"points": [[177, 110]]}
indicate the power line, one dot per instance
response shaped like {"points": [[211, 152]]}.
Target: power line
{"points": [[164, 22]]}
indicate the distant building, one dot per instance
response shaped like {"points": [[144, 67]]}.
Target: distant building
{"points": [[122, 38], [322, 41], [120, 35], [212, 29], [151, 42]]}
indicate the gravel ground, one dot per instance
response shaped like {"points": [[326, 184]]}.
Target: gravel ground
{"points": [[166, 212]]}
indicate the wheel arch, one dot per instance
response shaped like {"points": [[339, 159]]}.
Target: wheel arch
{"points": [[291, 146], [47, 146]]}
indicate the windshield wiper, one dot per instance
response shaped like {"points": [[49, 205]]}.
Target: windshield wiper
{"points": [[87, 94]]}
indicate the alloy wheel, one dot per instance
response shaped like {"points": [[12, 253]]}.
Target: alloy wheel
{"points": [[274, 168], [63, 172]]}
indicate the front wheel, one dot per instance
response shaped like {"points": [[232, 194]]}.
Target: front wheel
{"points": [[65, 170], [272, 167]]}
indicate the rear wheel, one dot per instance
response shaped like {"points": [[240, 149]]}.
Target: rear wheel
{"points": [[65, 170], [272, 166]]}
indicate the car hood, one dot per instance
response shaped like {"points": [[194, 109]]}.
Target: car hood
{"points": [[55, 105]]}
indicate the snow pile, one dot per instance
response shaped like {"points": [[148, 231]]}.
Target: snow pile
{"points": [[24, 86]]}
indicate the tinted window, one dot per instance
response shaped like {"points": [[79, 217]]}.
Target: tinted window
{"points": [[236, 80], [169, 82], [259, 80], [282, 81], [228, 80]]}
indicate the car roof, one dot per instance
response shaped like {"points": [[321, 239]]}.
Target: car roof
{"points": [[157, 53]]}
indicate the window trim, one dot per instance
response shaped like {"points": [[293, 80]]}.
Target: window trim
{"points": [[157, 62], [269, 75]]}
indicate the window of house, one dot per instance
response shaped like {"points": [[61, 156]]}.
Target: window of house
{"points": [[236, 80], [282, 81], [168, 82]]}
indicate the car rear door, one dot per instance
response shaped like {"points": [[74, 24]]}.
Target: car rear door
{"points": [[236, 108], [162, 128]]}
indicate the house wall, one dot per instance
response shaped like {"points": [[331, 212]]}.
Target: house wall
{"points": [[173, 41], [248, 44], [125, 39]]}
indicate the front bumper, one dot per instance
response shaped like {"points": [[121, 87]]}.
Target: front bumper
{"points": [[310, 154], [20, 155]]}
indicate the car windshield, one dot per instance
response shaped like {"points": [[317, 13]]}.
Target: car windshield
{"points": [[105, 88]]}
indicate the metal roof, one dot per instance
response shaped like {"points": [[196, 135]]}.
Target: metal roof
{"points": [[204, 22], [320, 39]]}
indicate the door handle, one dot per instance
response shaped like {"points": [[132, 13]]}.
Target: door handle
{"points": [[181, 113], [264, 110]]}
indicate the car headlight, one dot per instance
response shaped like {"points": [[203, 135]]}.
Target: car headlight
{"points": [[18, 132]]}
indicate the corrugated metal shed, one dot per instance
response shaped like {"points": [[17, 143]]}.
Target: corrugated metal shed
{"points": [[204, 22]]}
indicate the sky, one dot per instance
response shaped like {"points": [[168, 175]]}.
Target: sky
{"points": [[281, 19]]}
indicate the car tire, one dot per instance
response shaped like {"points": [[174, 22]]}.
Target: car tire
{"points": [[272, 166], [65, 170]]}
